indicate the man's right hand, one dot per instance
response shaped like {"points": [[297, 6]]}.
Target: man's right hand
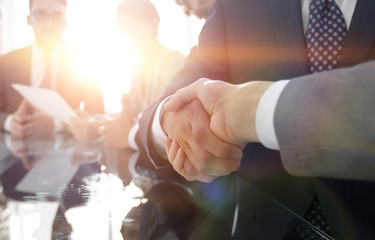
{"points": [[232, 108], [18, 120], [205, 156]]}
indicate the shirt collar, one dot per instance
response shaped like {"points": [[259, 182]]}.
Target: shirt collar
{"points": [[338, 2], [38, 55]]}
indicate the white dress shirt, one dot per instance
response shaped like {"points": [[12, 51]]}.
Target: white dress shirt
{"points": [[266, 108], [37, 69]]}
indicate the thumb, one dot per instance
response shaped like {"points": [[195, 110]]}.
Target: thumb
{"points": [[182, 97], [23, 108]]}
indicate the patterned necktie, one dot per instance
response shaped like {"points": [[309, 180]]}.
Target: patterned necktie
{"points": [[325, 35], [315, 216], [47, 76]]}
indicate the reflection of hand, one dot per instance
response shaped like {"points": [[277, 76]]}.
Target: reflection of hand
{"points": [[117, 162], [85, 153], [84, 127], [20, 150], [232, 108], [115, 132], [196, 153]]}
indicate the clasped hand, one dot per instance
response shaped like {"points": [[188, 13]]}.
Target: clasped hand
{"points": [[207, 124], [25, 124]]}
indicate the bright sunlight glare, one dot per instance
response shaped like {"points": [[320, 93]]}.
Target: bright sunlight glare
{"points": [[92, 28]]}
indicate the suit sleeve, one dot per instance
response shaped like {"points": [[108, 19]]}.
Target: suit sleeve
{"points": [[325, 124], [208, 59], [3, 86]]}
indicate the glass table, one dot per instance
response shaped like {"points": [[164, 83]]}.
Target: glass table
{"points": [[59, 188]]}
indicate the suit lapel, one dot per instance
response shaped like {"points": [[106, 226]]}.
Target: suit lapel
{"points": [[287, 21], [361, 35]]}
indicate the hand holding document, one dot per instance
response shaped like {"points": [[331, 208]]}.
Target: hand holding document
{"points": [[47, 101]]}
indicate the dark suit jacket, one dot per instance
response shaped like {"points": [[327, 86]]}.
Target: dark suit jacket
{"points": [[71, 84], [245, 40], [324, 124]]}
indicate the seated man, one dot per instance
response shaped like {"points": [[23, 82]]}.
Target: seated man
{"points": [[198, 8], [138, 23], [46, 63]]}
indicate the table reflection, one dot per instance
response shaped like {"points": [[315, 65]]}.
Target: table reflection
{"points": [[56, 187]]}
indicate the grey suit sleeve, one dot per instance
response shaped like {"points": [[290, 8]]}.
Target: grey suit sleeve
{"points": [[325, 124]]}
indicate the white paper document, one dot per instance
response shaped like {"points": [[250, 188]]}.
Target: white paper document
{"points": [[46, 100]]}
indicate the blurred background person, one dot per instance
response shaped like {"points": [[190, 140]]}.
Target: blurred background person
{"points": [[199, 8], [46, 63], [137, 22]]}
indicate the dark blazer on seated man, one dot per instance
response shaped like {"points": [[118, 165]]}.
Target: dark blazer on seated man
{"points": [[245, 40], [71, 84]]}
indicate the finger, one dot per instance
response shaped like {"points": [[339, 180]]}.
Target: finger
{"points": [[25, 160], [205, 178], [206, 139], [184, 167], [18, 146], [173, 151], [31, 129], [202, 162], [209, 164], [35, 160], [22, 108], [16, 129], [28, 118], [203, 136], [17, 118], [189, 172], [168, 143]]}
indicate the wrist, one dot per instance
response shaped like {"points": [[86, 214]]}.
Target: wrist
{"points": [[246, 104]]}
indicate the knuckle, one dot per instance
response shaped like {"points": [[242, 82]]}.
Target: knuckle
{"points": [[226, 151]]}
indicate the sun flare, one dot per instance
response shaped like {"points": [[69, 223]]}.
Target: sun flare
{"points": [[92, 28]]}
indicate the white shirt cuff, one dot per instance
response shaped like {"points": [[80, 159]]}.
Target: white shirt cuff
{"points": [[265, 113], [8, 141], [157, 133], [131, 137], [7, 122]]}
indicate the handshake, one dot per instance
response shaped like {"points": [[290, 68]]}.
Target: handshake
{"points": [[207, 124]]}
